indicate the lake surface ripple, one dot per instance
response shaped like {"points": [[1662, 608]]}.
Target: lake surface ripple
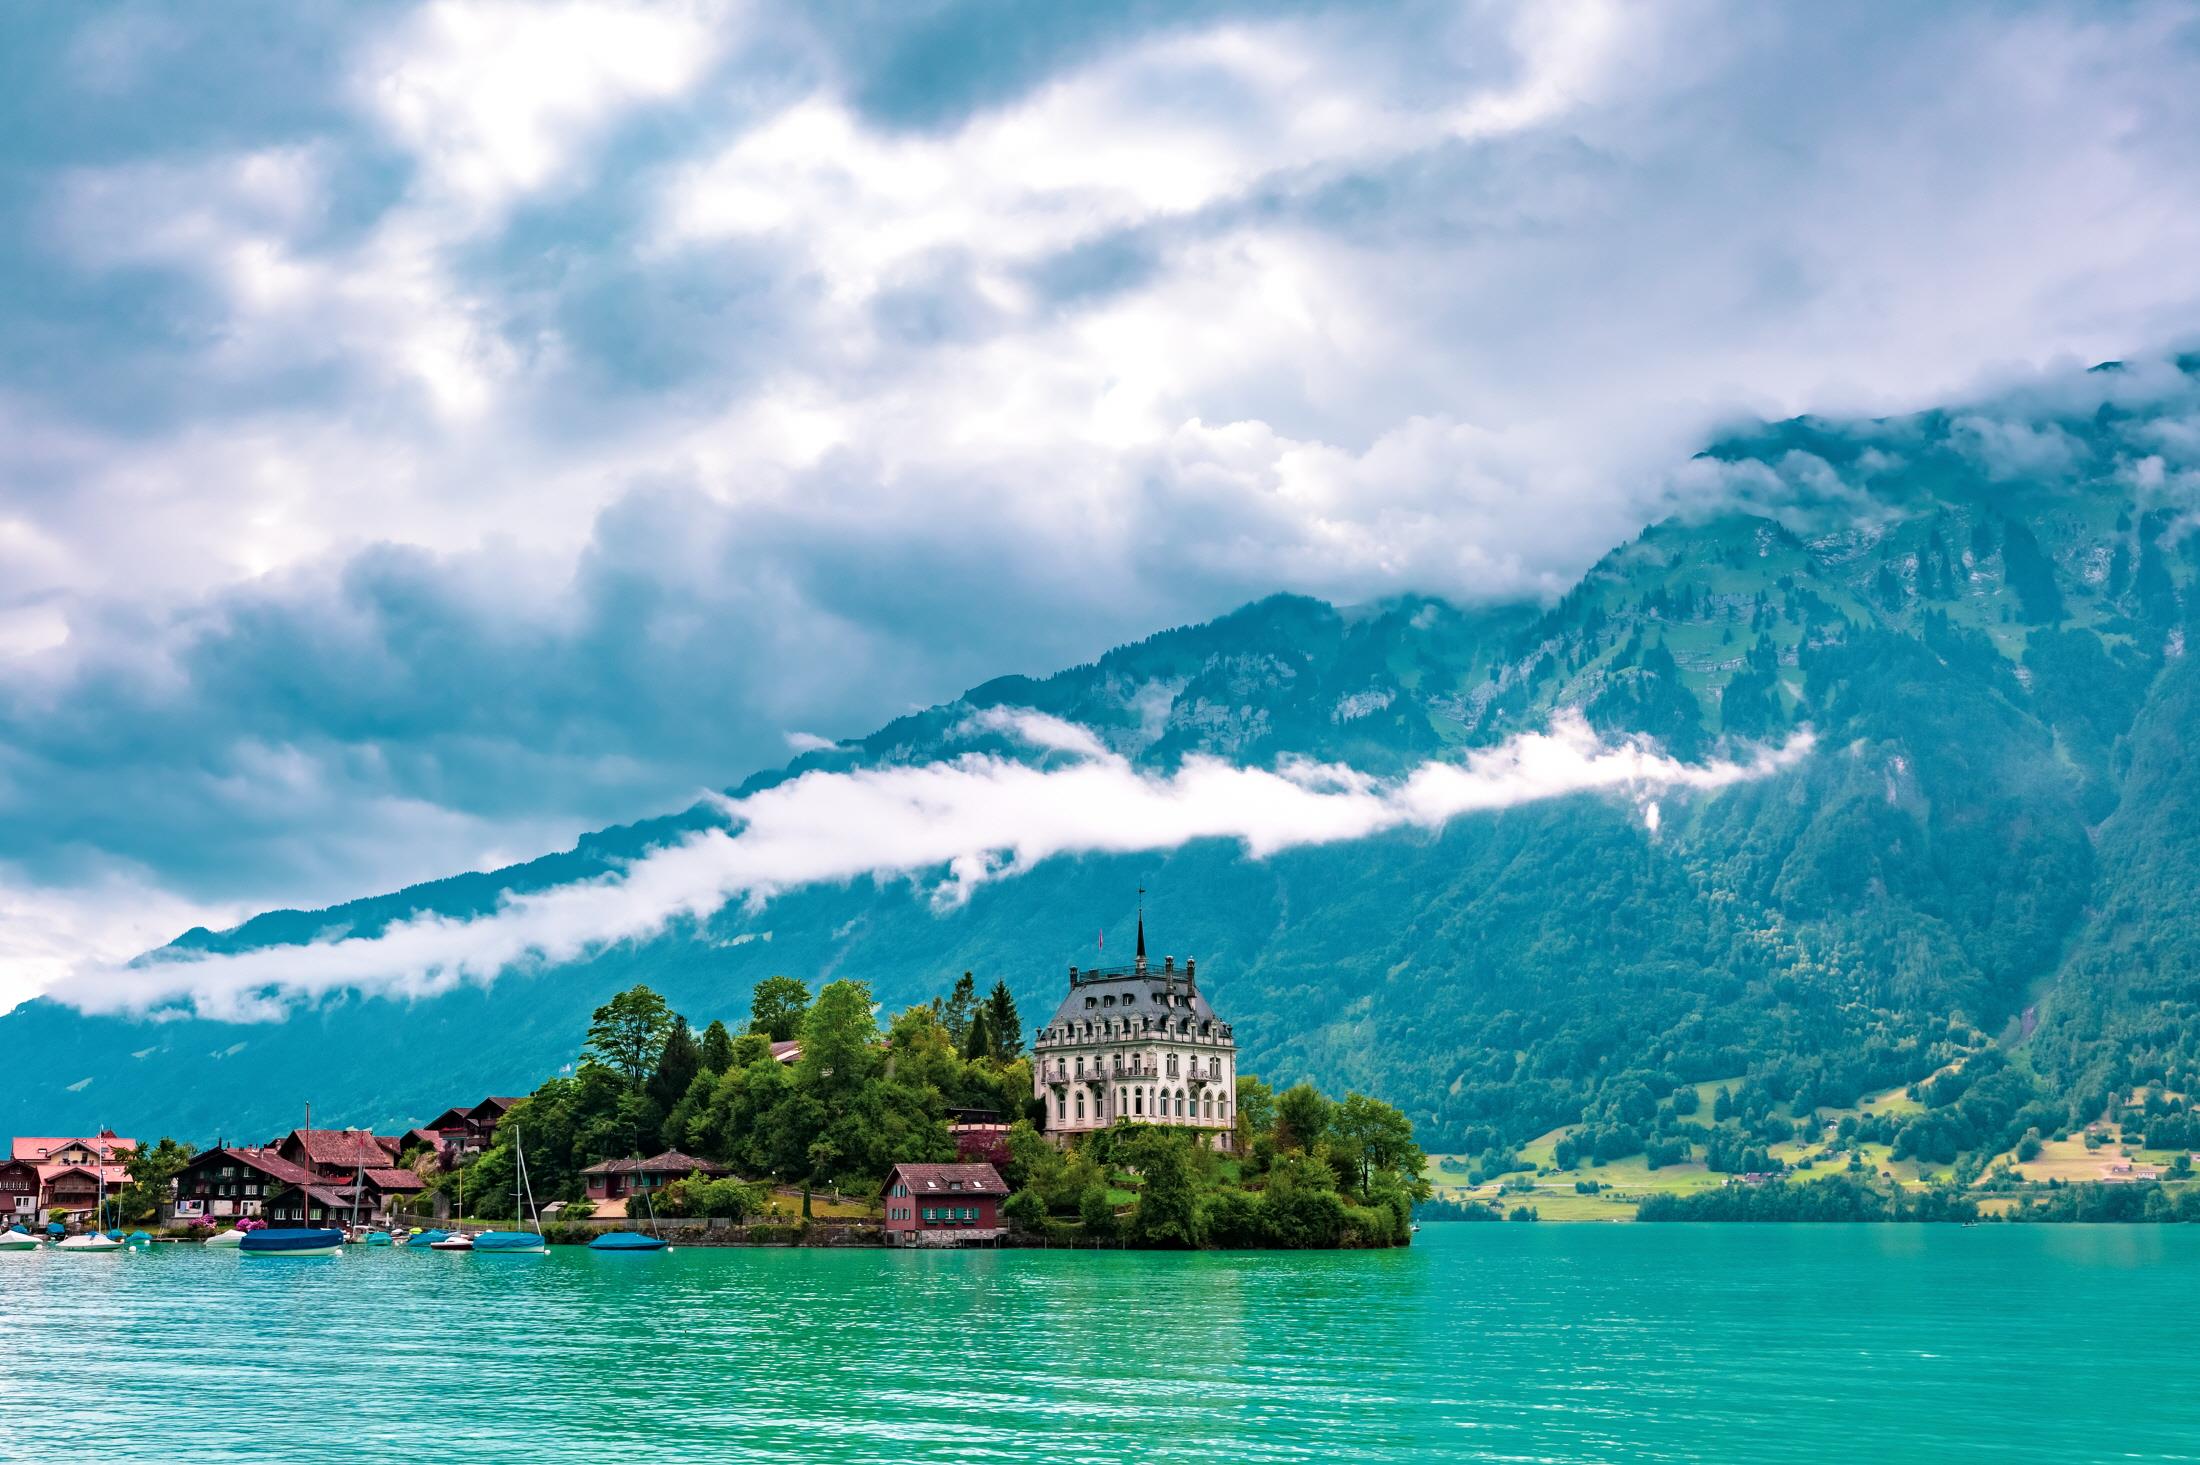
{"points": [[1483, 1342]]}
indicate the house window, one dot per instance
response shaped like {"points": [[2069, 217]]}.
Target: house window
{"points": [[1080, 1106], [1138, 1102]]}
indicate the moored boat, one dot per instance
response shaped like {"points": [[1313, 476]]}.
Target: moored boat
{"points": [[522, 1242], [15, 1238], [628, 1241], [457, 1241], [508, 1241], [294, 1241], [88, 1241], [425, 1239], [375, 1238], [227, 1239]]}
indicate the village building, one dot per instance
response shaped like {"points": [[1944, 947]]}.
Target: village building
{"points": [[19, 1192], [615, 1180], [337, 1154], [65, 1173], [1138, 1044], [231, 1183], [943, 1205], [467, 1129]]}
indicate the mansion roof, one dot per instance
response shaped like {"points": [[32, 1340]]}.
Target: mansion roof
{"points": [[1138, 991]]}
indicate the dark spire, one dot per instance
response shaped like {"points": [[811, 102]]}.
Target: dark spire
{"points": [[1141, 928]]}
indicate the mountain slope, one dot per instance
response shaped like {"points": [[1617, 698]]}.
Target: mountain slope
{"points": [[1982, 615]]}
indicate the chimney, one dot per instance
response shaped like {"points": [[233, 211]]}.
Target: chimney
{"points": [[1189, 964], [1168, 963]]}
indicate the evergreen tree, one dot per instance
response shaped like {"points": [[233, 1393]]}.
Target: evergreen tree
{"points": [[1007, 1027], [678, 1062], [955, 1015], [978, 1038], [717, 1048]]}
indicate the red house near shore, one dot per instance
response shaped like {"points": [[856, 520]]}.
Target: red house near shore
{"points": [[610, 1180], [944, 1205]]}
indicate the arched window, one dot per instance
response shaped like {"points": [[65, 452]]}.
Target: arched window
{"points": [[1210, 1102], [1061, 1106], [1138, 1101], [1080, 1104]]}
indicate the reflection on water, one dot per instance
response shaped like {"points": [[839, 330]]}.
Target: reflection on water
{"points": [[1494, 1342]]}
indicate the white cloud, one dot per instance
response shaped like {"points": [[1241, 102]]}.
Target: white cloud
{"points": [[495, 97], [979, 818], [48, 932]]}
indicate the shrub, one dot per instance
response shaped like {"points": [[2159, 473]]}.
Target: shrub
{"points": [[1233, 1218], [727, 1198]]}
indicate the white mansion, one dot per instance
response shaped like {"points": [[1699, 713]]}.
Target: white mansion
{"points": [[1139, 1044]]}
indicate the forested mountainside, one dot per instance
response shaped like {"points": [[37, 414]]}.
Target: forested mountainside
{"points": [[1989, 858]]}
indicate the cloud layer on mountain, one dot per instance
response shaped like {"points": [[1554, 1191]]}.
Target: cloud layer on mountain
{"points": [[948, 827]]}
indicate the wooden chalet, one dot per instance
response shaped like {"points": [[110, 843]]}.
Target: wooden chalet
{"points": [[944, 1205], [232, 1182], [616, 1179], [337, 1153], [469, 1129]]}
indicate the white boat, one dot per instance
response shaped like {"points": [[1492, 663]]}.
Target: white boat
{"points": [[231, 1239], [89, 1241], [18, 1240], [452, 1242]]}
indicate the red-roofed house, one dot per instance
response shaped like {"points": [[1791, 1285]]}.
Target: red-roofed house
{"points": [[472, 1128], [70, 1170], [944, 1205], [337, 1154], [613, 1179], [230, 1182]]}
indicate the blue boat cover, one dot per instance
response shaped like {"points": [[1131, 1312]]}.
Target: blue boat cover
{"points": [[626, 1241], [291, 1238], [17, 1230], [508, 1241], [55, 1228], [426, 1238]]}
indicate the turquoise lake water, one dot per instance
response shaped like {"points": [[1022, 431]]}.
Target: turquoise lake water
{"points": [[1492, 1342]]}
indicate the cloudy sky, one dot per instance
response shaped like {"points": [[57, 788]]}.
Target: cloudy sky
{"points": [[427, 432]]}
